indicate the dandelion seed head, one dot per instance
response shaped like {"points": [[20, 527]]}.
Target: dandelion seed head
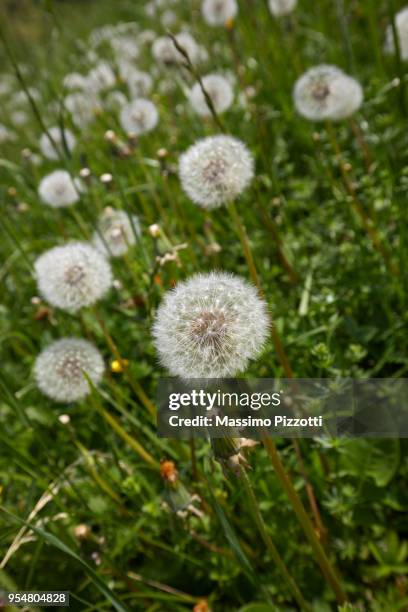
{"points": [[59, 369], [217, 12], [73, 276], [216, 170], [279, 8], [101, 77], [74, 80], [139, 117], [116, 233], [58, 189], [326, 93], [140, 83], [401, 25], [164, 50], [219, 90], [210, 326], [60, 138], [6, 135], [82, 107]]}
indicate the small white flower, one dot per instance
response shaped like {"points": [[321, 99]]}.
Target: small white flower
{"points": [[61, 367], [117, 232], [326, 93], [61, 139], [217, 12], [73, 276], [216, 170], [139, 117], [279, 8], [57, 189], [401, 24], [210, 326], [219, 90]]}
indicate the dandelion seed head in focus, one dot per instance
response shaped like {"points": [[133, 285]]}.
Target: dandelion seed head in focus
{"points": [[61, 139], [219, 90], [326, 93], [401, 25], [72, 276], [59, 369], [117, 232], [58, 189], [210, 326], [279, 8], [216, 170], [218, 12], [139, 117]]}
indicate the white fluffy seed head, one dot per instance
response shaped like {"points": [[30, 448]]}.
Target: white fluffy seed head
{"points": [[139, 83], [58, 190], [279, 8], [216, 170], [60, 138], [217, 12], [401, 24], [326, 93], [101, 77], [117, 232], [219, 90], [73, 276], [210, 326], [139, 117], [82, 107], [59, 369], [165, 52]]}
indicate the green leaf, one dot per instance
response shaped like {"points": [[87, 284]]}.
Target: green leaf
{"points": [[376, 459]]}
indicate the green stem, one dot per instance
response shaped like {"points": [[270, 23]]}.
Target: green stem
{"points": [[321, 557], [270, 545]]}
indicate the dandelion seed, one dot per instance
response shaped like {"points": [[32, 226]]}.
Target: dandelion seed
{"points": [[61, 367], [326, 93], [58, 190], [218, 12], [216, 170], [115, 100], [73, 276], [61, 139], [210, 326], [219, 90], [116, 233], [139, 117], [279, 8]]}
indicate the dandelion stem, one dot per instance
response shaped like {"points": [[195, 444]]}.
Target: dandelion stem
{"points": [[280, 351], [130, 441], [321, 557], [368, 223], [136, 386], [271, 225], [269, 543]]}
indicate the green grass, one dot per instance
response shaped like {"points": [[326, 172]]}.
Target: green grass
{"points": [[345, 317]]}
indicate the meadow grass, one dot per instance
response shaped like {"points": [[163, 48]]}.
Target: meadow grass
{"points": [[86, 502]]}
